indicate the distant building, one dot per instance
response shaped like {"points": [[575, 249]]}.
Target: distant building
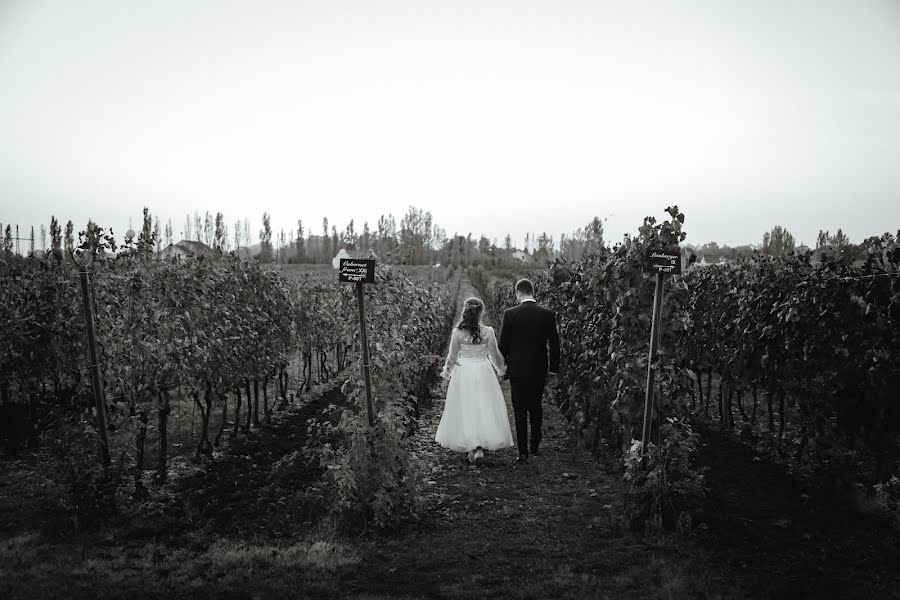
{"points": [[184, 248], [521, 256], [336, 261], [711, 259]]}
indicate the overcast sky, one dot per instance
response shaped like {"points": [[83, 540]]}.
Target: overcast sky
{"points": [[498, 117]]}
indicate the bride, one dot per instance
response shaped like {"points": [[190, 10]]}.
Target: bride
{"points": [[475, 417]]}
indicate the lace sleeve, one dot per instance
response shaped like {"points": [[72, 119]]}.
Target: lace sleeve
{"points": [[494, 354], [451, 355]]}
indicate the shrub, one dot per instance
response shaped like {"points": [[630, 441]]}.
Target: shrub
{"points": [[887, 495], [378, 482], [665, 489], [86, 491]]}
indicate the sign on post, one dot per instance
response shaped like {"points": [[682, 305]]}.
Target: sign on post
{"points": [[356, 270], [661, 263], [664, 262], [360, 271]]}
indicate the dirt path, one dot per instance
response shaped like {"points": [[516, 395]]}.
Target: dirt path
{"points": [[548, 529], [554, 528]]}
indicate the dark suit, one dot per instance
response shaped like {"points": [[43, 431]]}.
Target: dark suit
{"points": [[528, 336]]}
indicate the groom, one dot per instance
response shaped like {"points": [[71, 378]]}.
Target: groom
{"points": [[527, 334]]}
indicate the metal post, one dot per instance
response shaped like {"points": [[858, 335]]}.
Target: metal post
{"points": [[99, 395], [651, 374], [365, 353]]}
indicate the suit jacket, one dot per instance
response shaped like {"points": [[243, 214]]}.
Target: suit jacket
{"points": [[527, 335]]}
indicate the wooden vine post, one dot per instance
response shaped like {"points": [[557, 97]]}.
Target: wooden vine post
{"points": [[661, 263], [361, 271], [96, 375]]}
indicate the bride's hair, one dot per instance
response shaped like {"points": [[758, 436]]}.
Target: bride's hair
{"points": [[471, 318]]}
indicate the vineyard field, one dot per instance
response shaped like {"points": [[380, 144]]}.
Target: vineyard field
{"points": [[241, 461], [195, 353]]}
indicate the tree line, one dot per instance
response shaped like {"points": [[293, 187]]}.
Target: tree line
{"points": [[415, 240], [780, 242]]}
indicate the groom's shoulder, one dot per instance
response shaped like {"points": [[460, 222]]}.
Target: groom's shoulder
{"points": [[547, 311]]}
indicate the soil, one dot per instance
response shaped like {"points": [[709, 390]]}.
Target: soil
{"points": [[786, 539], [237, 497]]}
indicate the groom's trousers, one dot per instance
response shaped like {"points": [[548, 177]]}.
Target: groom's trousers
{"points": [[527, 394]]}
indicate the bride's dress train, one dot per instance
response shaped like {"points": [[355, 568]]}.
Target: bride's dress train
{"points": [[475, 413]]}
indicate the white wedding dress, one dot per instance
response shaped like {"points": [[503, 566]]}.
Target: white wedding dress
{"points": [[475, 413]]}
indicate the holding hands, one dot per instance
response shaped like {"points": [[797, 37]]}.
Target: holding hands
{"points": [[446, 372]]}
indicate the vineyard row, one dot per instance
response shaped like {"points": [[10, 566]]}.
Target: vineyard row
{"points": [[815, 344], [213, 328]]}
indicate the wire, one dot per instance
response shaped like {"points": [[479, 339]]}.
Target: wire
{"points": [[864, 277], [859, 278]]}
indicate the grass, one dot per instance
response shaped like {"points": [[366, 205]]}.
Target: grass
{"points": [[101, 567]]}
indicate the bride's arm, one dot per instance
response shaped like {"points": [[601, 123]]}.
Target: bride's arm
{"points": [[451, 355], [494, 354]]}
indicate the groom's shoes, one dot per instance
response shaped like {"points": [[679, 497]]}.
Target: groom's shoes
{"points": [[523, 458], [534, 452]]}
